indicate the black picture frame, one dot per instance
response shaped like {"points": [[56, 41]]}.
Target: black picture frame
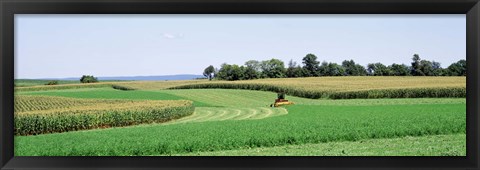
{"points": [[10, 7]]}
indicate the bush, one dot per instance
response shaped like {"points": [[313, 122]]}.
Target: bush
{"points": [[118, 87], [53, 82], [88, 79]]}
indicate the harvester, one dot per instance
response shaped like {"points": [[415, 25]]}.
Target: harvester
{"points": [[280, 101]]}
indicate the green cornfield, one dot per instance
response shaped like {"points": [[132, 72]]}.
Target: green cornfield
{"points": [[91, 114]]}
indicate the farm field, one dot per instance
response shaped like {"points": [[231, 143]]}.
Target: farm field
{"points": [[350, 83], [240, 122], [314, 87], [40, 114], [30, 82]]}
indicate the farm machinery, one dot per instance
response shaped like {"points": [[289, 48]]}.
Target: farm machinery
{"points": [[280, 101]]}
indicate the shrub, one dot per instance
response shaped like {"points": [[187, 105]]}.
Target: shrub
{"points": [[88, 79], [53, 82], [125, 88]]}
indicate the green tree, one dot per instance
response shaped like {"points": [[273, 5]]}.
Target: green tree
{"points": [[273, 68], [209, 72], [458, 69], [370, 69], [437, 69], [378, 69], [323, 69], [294, 70], [88, 79], [310, 64], [353, 69], [399, 70], [426, 68], [335, 70], [230, 72], [416, 66], [252, 69], [254, 64], [250, 73]]}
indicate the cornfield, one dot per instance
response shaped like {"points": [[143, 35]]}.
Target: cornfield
{"points": [[88, 114], [317, 84], [24, 103], [447, 92], [63, 87]]}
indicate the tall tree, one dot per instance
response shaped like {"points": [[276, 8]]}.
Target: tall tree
{"points": [[310, 64], [335, 70], [416, 66], [254, 64], [294, 70], [437, 69], [378, 69], [250, 73], [426, 67], [353, 69], [399, 69], [371, 69], [230, 72], [273, 68], [208, 72], [323, 69], [291, 69], [252, 69], [458, 69]]}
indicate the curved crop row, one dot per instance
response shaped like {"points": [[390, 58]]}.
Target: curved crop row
{"points": [[99, 115], [450, 92]]}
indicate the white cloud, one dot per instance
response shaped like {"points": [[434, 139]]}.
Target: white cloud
{"points": [[172, 36], [169, 36]]}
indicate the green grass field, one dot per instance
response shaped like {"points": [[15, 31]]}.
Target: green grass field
{"points": [[239, 122], [435, 145]]}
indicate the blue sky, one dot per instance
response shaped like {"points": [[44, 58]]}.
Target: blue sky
{"points": [[58, 46]]}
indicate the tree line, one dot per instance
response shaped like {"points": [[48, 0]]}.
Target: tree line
{"points": [[311, 67]]}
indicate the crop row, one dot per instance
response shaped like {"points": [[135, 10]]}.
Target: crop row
{"points": [[323, 83], [24, 103], [63, 87], [450, 92], [99, 115]]}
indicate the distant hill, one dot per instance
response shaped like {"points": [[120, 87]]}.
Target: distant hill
{"points": [[144, 78]]}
